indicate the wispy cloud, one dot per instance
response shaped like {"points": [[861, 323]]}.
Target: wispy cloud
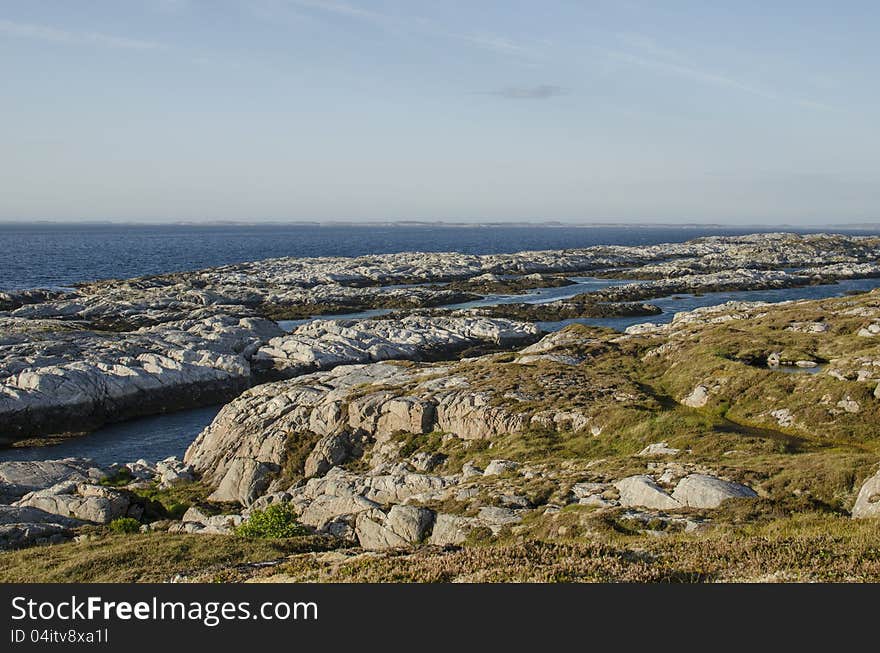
{"points": [[540, 92], [345, 9], [497, 44], [55, 35], [645, 53]]}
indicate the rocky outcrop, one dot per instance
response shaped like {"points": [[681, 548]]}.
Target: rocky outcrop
{"points": [[692, 490], [20, 478], [452, 529], [244, 481], [250, 436], [77, 380], [82, 501], [326, 344], [346, 408], [22, 526], [72, 360]]}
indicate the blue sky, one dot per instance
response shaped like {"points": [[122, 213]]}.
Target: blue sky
{"points": [[628, 110]]}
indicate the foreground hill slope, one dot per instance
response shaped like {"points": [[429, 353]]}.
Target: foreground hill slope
{"points": [[734, 443]]}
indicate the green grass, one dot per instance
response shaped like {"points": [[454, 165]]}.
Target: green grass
{"points": [[171, 503]]}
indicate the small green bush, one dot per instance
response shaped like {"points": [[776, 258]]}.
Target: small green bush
{"points": [[125, 525], [277, 520], [120, 477]]}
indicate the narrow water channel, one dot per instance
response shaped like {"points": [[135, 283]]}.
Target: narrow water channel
{"points": [[159, 436]]}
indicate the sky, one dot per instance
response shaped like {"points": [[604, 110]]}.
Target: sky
{"points": [[739, 112]]}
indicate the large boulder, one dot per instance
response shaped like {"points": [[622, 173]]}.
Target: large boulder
{"points": [[402, 526], [868, 501], [497, 467], [325, 510], [92, 503], [643, 491], [704, 491]]}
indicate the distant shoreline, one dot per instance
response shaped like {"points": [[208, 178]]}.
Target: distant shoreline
{"points": [[34, 224]]}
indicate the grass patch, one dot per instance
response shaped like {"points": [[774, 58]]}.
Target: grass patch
{"points": [[173, 502], [146, 557]]}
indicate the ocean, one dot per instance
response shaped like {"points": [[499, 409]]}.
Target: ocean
{"points": [[53, 255]]}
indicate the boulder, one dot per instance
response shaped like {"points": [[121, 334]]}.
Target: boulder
{"points": [[425, 461], [93, 503], [327, 509], [196, 521], [642, 491], [20, 535], [469, 470], [703, 491], [497, 518], [497, 467], [410, 522], [19, 478], [33, 515], [698, 397], [585, 489], [868, 500], [402, 526], [659, 449]]}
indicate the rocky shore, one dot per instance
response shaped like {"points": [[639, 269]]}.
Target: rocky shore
{"points": [[71, 360], [428, 433], [669, 431]]}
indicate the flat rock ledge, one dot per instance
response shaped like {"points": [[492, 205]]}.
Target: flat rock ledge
{"points": [[324, 344]]}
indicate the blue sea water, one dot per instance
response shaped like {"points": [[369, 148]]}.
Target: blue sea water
{"points": [[46, 255], [152, 438], [40, 256]]}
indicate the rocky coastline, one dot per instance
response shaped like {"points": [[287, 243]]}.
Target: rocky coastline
{"points": [[432, 430]]}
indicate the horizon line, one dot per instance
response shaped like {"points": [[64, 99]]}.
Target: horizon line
{"points": [[427, 223]]}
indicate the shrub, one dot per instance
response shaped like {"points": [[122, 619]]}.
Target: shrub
{"points": [[125, 525], [277, 520], [122, 476]]}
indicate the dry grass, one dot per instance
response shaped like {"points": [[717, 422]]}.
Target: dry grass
{"points": [[803, 548], [146, 558]]}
